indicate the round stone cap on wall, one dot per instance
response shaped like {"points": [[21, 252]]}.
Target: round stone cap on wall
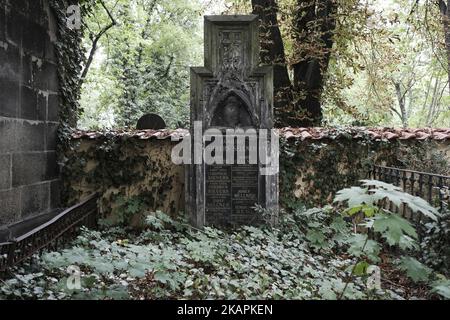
{"points": [[151, 121]]}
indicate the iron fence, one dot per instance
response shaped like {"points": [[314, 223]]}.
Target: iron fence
{"points": [[432, 187], [49, 235]]}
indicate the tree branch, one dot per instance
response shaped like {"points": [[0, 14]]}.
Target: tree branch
{"points": [[95, 43]]}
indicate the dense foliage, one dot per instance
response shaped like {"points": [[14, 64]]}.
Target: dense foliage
{"points": [[393, 70], [311, 254], [387, 64], [141, 64]]}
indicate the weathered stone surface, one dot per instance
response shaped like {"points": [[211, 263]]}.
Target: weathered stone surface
{"points": [[10, 101], [300, 162], [2, 22], [5, 171], [55, 194], [34, 199], [52, 31], [45, 76], [10, 63], [231, 91], [52, 168], [21, 6], [15, 22], [9, 206], [28, 168], [18, 229], [33, 39], [30, 136], [50, 136], [29, 106], [8, 135], [36, 12], [165, 184], [49, 53], [25, 75], [53, 107], [41, 106]]}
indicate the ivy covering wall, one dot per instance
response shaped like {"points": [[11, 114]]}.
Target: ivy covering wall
{"points": [[70, 56], [132, 176], [312, 171], [137, 175]]}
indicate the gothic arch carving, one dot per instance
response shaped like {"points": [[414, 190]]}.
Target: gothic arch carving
{"points": [[221, 113]]}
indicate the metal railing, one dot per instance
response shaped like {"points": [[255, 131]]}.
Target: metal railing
{"points": [[49, 235], [431, 187]]}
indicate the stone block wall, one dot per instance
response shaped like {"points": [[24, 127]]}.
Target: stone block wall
{"points": [[29, 104]]}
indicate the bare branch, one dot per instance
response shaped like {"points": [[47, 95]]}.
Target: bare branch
{"points": [[95, 43]]}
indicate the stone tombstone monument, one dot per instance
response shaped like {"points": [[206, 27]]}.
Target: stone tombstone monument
{"points": [[230, 92]]}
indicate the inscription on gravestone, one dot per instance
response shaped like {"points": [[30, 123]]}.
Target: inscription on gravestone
{"points": [[231, 190], [231, 92]]}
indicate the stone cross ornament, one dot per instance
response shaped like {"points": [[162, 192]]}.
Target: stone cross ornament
{"points": [[233, 95]]}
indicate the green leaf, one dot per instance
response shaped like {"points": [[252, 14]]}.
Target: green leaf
{"points": [[103, 267], [380, 184], [361, 268], [326, 290], [416, 204], [361, 246], [369, 211], [117, 292], [392, 227], [154, 222], [442, 287], [407, 243], [89, 281], [339, 225], [354, 210], [316, 238], [162, 277], [355, 196], [136, 273], [54, 260], [395, 197], [378, 190], [415, 270]]}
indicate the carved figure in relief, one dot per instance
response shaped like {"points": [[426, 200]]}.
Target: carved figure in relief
{"points": [[232, 113]]}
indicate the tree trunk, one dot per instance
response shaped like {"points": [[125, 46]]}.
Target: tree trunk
{"points": [[445, 11], [401, 102], [272, 53], [432, 107], [298, 104], [315, 23]]}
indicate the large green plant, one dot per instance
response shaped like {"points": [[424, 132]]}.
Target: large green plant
{"points": [[369, 204]]}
